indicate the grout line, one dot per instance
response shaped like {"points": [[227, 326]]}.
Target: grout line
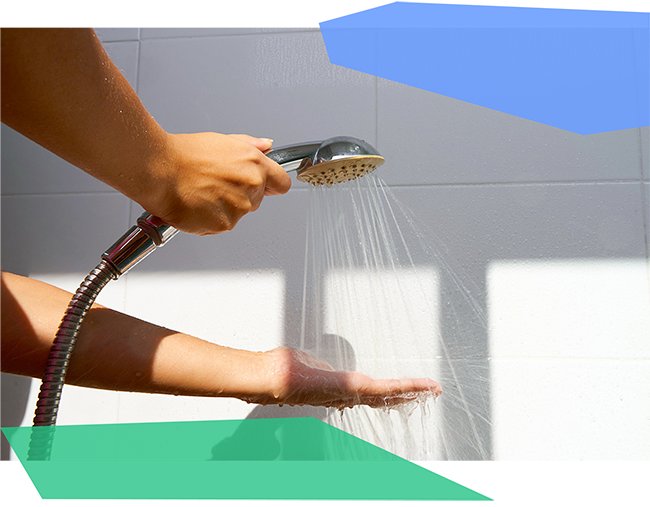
{"points": [[569, 359], [646, 226], [376, 82], [208, 36], [640, 138], [514, 184], [392, 185], [66, 194], [228, 35], [137, 64]]}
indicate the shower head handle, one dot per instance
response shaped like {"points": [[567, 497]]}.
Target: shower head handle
{"points": [[291, 157]]}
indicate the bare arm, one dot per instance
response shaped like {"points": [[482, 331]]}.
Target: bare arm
{"points": [[60, 89], [118, 352]]}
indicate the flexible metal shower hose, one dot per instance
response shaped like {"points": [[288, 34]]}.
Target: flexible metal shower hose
{"points": [[59, 359]]}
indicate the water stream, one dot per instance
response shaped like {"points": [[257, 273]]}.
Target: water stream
{"points": [[383, 297]]}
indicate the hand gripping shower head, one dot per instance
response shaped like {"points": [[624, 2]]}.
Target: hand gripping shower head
{"points": [[334, 160], [328, 162]]}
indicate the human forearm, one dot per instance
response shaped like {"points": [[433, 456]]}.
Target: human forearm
{"points": [[61, 90], [119, 352]]}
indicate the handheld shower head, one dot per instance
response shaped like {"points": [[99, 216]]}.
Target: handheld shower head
{"points": [[332, 161], [326, 162]]}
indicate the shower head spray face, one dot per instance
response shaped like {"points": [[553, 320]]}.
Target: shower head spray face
{"points": [[338, 171], [332, 161]]}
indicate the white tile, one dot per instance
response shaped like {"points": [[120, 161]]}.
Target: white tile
{"points": [[279, 86], [282, 86], [569, 309], [28, 168], [430, 138], [465, 429], [570, 410], [484, 223], [60, 233], [81, 405], [231, 288], [240, 309]]}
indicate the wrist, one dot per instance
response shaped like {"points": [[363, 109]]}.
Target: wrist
{"points": [[157, 192], [263, 382]]}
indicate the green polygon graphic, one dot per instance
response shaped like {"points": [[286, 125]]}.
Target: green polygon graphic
{"points": [[287, 439], [288, 462]]}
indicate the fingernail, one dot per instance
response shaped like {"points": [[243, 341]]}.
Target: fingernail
{"points": [[270, 141]]}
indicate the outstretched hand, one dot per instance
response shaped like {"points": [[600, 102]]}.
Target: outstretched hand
{"points": [[300, 379]]}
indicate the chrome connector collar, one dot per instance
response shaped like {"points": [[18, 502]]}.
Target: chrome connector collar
{"points": [[138, 242]]}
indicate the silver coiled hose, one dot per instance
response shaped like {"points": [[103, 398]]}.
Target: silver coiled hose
{"points": [[131, 248], [66, 338], [58, 361]]}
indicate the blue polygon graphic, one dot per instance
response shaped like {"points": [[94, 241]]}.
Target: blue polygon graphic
{"points": [[581, 71]]}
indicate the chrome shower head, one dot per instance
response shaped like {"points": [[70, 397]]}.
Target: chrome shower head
{"points": [[328, 162]]}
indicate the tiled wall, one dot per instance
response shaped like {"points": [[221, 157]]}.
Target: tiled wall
{"points": [[553, 226]]}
